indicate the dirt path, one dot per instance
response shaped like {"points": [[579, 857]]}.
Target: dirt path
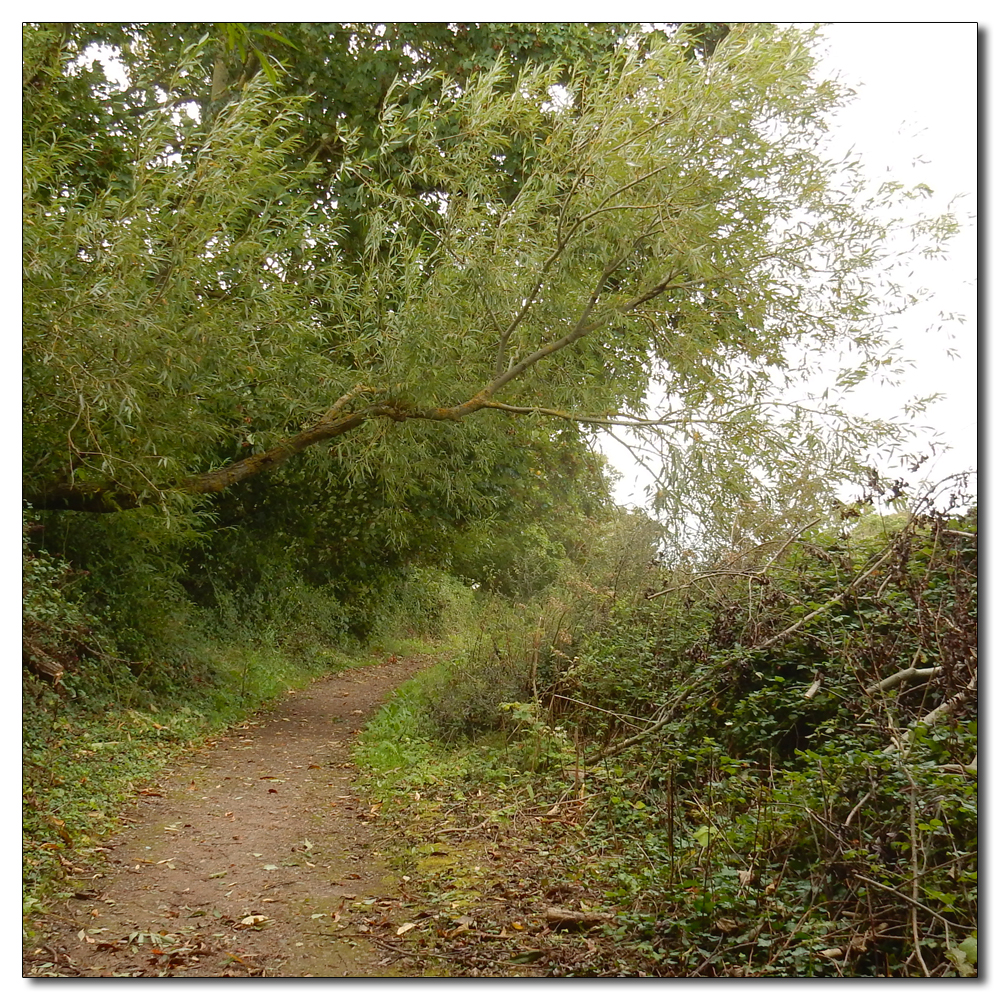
{"points": [[254, 857]]}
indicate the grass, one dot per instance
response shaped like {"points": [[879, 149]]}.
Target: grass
{"points": [[716, 869]]}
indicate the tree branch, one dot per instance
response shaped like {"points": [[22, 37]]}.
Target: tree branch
{"points": [[706, 576], [105, 499], [580, 330], [935, 714]]}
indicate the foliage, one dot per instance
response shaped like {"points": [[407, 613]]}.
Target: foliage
{"points": [[320, 324], [514, 649], [112, 726], [173, 304], [295, 338], [55, 629]]}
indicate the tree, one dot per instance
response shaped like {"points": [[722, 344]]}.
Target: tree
{"points": [[199, 317]]}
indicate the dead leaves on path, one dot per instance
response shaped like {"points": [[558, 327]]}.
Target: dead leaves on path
{"points": [[154, 955], [477, 941], [200, 831]]}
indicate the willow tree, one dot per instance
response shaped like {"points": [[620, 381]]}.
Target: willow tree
{"points": [[675, 234]]}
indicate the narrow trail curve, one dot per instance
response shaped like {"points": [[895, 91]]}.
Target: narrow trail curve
{"points": [[252, 858]]}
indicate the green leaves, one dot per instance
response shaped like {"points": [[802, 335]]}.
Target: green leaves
{"points": [[167, 291], [485, 237]]}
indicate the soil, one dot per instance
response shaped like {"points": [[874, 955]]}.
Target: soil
{"points": [[254, 857]]}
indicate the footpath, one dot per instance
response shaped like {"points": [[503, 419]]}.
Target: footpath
{"points": [[253, 858]]}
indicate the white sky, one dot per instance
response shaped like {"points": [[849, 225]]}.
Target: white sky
{"points": [[917, 101], [905, 112]]}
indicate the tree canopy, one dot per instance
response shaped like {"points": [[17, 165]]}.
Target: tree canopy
{"points": [[394, 251]]}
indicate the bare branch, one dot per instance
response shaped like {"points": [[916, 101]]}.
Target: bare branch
{"points": [[341, 403], [944, 709], [580, 330], [898, 678], [706, 576], [577, 418], [667, 713], [909, 899], [788, 541]]}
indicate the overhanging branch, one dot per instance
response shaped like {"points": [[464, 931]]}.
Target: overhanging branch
{"points": [[112, 497]]}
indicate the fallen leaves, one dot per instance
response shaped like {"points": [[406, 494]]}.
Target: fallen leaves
{"points": [[526, 957], [463, 924]]}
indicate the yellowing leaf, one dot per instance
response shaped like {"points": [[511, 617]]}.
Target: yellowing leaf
{"points": [[403, 928], [703, 835], [971, 948]]}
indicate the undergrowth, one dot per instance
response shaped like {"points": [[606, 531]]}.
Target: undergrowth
{"points": [[90, 747], [765, 766]]}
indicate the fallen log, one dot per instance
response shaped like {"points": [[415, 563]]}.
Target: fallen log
{"points": [[40, 663], [575, 920]]}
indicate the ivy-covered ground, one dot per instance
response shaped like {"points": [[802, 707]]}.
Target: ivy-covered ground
{"points": [[760, 768]]}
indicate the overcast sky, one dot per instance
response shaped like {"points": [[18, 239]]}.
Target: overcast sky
{"points": [[915, 116], [914, 119]]}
